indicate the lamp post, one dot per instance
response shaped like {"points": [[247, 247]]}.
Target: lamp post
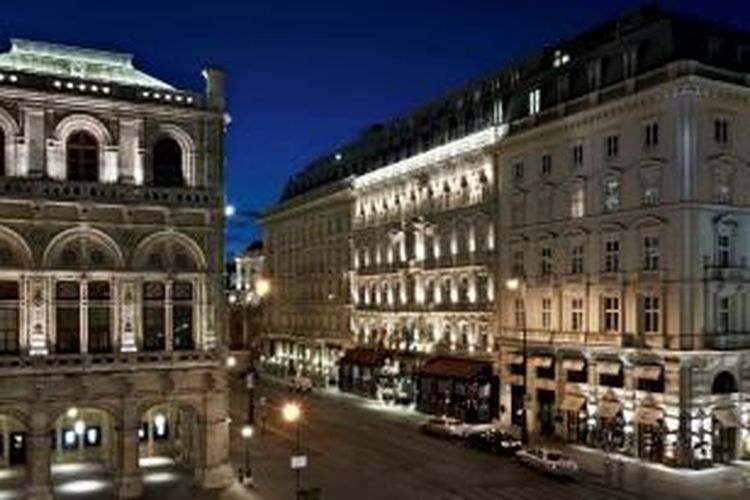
{"points": [[291, 413], [247, 433], [516, 285]]}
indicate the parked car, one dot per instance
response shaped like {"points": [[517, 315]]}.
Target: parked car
{"points": [[302, 384], [549, 461], [444, 427], [493, 440]]}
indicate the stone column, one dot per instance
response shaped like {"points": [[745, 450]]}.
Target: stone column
{"points": [[128, 480], [33, 125], [213, 468], [39, 484], [130, 168]]}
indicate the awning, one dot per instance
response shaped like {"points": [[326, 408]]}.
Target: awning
{"points": [[726, 417], [444, 366], [573, 365], [649, 372], [364, 357], [608, 367], [608, 408], [649, 415], [515, 359], [542, 361], [573, 402]]}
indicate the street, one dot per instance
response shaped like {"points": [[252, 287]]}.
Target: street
{"points": [[358, 450]]}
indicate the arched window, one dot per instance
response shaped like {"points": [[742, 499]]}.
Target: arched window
{"points": [[168, 163], [82, 150], [724, 383]]}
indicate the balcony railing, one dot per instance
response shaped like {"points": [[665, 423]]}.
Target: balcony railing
{"points": [[29, 188], [77, 363], [552, 337], [728, 341]]}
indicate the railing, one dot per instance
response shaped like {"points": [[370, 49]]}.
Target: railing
{"points": [[551, 337], [105, 362], [727, 341], [21, 187]]}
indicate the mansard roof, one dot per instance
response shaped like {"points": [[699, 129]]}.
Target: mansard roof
{"points": [[561, 73], [64, 61]]}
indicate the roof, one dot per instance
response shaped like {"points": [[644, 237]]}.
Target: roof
{"points": [[364, 356], [74, 62], [444, 366]]}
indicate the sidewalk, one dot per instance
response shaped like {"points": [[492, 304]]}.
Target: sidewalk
{"points": [[656, 481]]}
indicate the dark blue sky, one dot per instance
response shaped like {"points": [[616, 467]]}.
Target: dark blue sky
{"points": [[305, 76]]}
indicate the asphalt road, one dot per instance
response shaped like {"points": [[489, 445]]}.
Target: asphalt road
{"points": [[359, 451]]}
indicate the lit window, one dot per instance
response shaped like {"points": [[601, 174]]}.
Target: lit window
{"points": [[92, 437], [535, 101], [576, 314], [546, 313], [651, 314], [577, 202], [70, 439]]}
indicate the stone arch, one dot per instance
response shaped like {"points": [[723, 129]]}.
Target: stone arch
{"points": [[96, 249], [724, 382], [75, 122], [71, 124], [15, 250], [169, 251], [21, 416], [187, 146]]}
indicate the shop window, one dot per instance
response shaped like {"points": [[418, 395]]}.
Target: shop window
{"points": [[577, 376], [612, 380], [160, 428], [69, 440], [645, 384], [546, 372], [92, 437]]}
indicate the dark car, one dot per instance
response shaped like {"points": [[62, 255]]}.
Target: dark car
{"points": [[493, 441]]}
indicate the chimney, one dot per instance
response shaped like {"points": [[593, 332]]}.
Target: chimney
{"points": [[215, 79]]}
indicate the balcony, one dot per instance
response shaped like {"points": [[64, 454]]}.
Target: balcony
{"points": [[97, 363], [727, 273], [551, 337], [126, 194]]}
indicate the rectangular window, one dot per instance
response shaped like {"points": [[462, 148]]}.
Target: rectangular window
{"points": [[9, 314], [546, 261], [651, 314], [518, 171], [576, 314], [651, 135], [724, 322], [577, 153], [546, 313], [576, 259], [535, 101], [612, 146], [546, 165], [612, 256], [721, 131], [723, 253], [611, 314], [99, 324], [518, 263], [577, 202], [651, 252], [68, 317], [154, 311]]}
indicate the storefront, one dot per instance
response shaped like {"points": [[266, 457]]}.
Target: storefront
{"points": [[360, 371], [650, 433], [466, 389], [725, 425], [573, 408], [611, 429]]}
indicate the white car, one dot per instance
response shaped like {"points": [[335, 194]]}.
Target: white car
{"points": [[445, 427], [549, 461], [302, 384]]}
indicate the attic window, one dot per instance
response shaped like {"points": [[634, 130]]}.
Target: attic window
{"points": [[561, 59]]}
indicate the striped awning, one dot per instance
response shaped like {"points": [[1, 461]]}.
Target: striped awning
{"points": [[649, 372], [727, 417], [542, 361], [515, 359], [608, 367], [574, 364], [649, 415], [609, 408], [573, 402]]}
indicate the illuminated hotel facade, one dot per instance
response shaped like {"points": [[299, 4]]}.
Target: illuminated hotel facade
{"points": [[111, 215], [606, 176]]}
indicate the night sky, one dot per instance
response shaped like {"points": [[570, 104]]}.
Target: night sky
{"points": [[307, 76]]}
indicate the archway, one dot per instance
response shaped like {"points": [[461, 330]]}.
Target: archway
{"points": [[84, 450], [724, 422], [169, 442], [724, 383], [14, 455]]}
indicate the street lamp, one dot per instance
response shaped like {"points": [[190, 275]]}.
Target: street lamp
{"points": [[291, 412], [516, 285], [247, 433], [262, 287]]}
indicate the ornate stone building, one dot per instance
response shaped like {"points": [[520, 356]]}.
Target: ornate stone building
{"points": [[306, 240], [111, 216], [623, 212]]}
